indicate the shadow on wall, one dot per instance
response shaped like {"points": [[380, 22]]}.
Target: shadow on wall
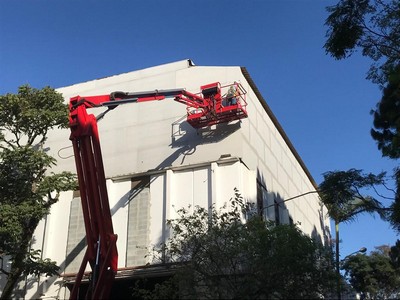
{"points": [[327, 238], [31, 281], [185, 139], [272, 206]]}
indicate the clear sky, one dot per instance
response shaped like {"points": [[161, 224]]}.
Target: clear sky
{"points": [[322, 104]]}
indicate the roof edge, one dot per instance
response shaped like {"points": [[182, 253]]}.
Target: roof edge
{"points": [[278, 125], [180, 64]]}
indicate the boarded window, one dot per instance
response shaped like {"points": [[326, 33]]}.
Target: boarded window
{"points": [[76, 244], [138, 222]]}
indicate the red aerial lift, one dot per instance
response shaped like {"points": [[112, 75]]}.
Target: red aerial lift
{"points": [[207, 108]]}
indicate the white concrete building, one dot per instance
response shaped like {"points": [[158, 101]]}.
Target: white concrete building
{"points": [[155, 163]]}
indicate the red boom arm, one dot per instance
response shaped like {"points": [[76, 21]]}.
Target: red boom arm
{"points": [[101, 253]]}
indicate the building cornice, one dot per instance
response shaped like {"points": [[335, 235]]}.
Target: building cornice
{"points": [[221, 161]]}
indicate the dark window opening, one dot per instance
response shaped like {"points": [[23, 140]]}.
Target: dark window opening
{"points": [[260, 201], [277, 215]]}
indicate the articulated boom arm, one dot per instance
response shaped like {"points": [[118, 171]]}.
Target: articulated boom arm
{"points": [[209, 108]]}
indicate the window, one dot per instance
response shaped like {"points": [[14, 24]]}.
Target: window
{"points": [[264, 200], [277, 212], [138, 222], [76, 244], [260, 199]]}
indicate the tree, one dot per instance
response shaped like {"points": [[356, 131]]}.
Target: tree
{"points": [[386, 132], [233, 254], [372, 26], [374, 275], [341, 193], [27, 188], [394, 255]]}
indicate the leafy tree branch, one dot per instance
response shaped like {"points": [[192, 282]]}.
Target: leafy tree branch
{"points": [[27, 188], [372, 26]]}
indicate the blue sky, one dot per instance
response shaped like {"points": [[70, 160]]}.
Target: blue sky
{"points": [[322, 104]]}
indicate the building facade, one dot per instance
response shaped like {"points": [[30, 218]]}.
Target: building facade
{"points": [[156, 163]]}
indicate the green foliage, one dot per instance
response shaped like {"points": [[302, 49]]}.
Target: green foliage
{"points": [[345, 21], [28, 115], [387, 118], [394, 215], [386, 133], [27, 187], [232, 253], [394, 255], [372, 26], [341, 192], [373, 274], [167, 288], [36, 265]]}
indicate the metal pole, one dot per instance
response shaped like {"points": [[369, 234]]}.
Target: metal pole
{"points": [[339, 294]]}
